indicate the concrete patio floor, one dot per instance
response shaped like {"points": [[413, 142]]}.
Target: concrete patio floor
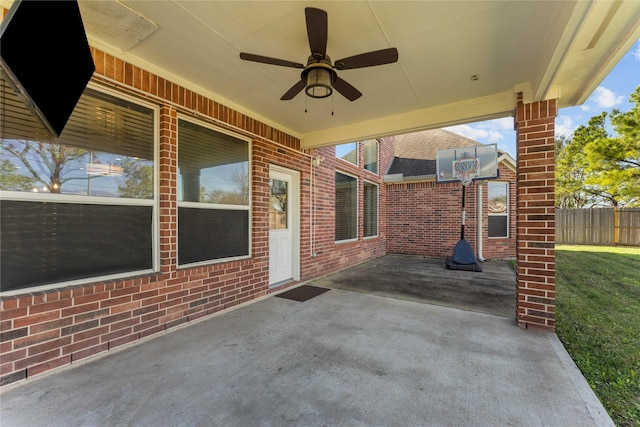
{"points": [[427, 280], [342, 358]]}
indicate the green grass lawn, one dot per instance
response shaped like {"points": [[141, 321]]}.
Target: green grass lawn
{"points": [[598, 321]]}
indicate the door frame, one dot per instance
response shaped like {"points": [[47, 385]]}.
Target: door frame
{"points": [[294, 211]]}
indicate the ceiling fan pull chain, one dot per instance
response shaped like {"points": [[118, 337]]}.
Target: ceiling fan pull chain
{"points": [[332, 103]]}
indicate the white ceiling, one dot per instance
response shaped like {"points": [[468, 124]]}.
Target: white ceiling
{"points": [[543, 49]]}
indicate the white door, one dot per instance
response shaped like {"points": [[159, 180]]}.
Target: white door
{"points": [[283, 207]]}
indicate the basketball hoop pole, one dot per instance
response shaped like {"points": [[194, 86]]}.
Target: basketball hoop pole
{"points": [[464, 187], [465, 169]]}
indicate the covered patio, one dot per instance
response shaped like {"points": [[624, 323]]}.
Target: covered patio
{"points": [[178, 63], [341, 358], [499, 59]]}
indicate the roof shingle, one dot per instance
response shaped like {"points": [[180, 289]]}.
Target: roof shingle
{"points": [[415, 153]]}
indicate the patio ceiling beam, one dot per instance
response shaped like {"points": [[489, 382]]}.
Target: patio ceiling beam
{"points": [[467, 111]]}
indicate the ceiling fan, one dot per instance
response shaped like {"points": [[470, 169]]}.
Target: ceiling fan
{"points": [[319, 77]]}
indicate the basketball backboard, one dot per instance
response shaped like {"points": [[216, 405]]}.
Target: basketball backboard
{"points": [[487, 155]]}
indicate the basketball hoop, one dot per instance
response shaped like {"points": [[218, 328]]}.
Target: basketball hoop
{"points": [[465, 169]]}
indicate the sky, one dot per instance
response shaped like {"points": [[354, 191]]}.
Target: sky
{"points": [[613, 92]]}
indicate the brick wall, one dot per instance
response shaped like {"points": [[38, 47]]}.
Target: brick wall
{"points": [[424, 218], [46, 329], [536, 289], [329, 255]]}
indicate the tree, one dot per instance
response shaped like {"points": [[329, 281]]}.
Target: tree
{"points": [[595, 168], [138, 183], [618, 159], [236, 193], [45, 161], [10, 179], [570, 175]]}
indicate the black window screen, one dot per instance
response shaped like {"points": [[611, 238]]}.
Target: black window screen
{"points": [[498, 226], [209, 234], [370, 209], [44, 242], [213, 194], [346, 203]]}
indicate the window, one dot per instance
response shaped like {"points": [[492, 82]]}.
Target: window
{"points": [[370, 148], [370, 209], [213, 194], [278, 204], [79, 206], [348, 152], [498, 194], [346, 207]]}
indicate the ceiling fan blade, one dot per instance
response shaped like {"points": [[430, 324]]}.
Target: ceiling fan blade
{"points": [[270, 61], [369, 59], [295, 89], [317, 30], [348, 91]]}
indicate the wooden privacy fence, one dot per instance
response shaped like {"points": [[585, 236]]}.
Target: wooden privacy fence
{"points": [[598, 226]]}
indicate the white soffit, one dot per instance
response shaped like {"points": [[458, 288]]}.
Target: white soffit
{"points": [[115, 23]]}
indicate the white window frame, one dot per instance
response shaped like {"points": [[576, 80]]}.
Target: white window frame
{"points": [[364, 216], [357, 209], [204, 205], [97, 200], [506, 214]]}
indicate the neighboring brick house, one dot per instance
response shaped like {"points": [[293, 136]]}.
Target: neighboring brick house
{"points": [[423, 217]]}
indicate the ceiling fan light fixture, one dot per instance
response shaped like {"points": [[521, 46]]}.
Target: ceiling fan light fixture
{"points": [[319, 83]]}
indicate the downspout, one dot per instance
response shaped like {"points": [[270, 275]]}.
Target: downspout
{"points": [[312, 208], [315, 162], [479, 227]]}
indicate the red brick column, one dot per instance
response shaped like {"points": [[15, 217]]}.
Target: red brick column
{"points": [[535, 222], [168, 196]]}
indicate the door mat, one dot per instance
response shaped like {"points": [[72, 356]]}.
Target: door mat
{"points": [[302, 293]]}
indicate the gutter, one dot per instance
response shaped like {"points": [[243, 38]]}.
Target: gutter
{"points": [[398, 177]]}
